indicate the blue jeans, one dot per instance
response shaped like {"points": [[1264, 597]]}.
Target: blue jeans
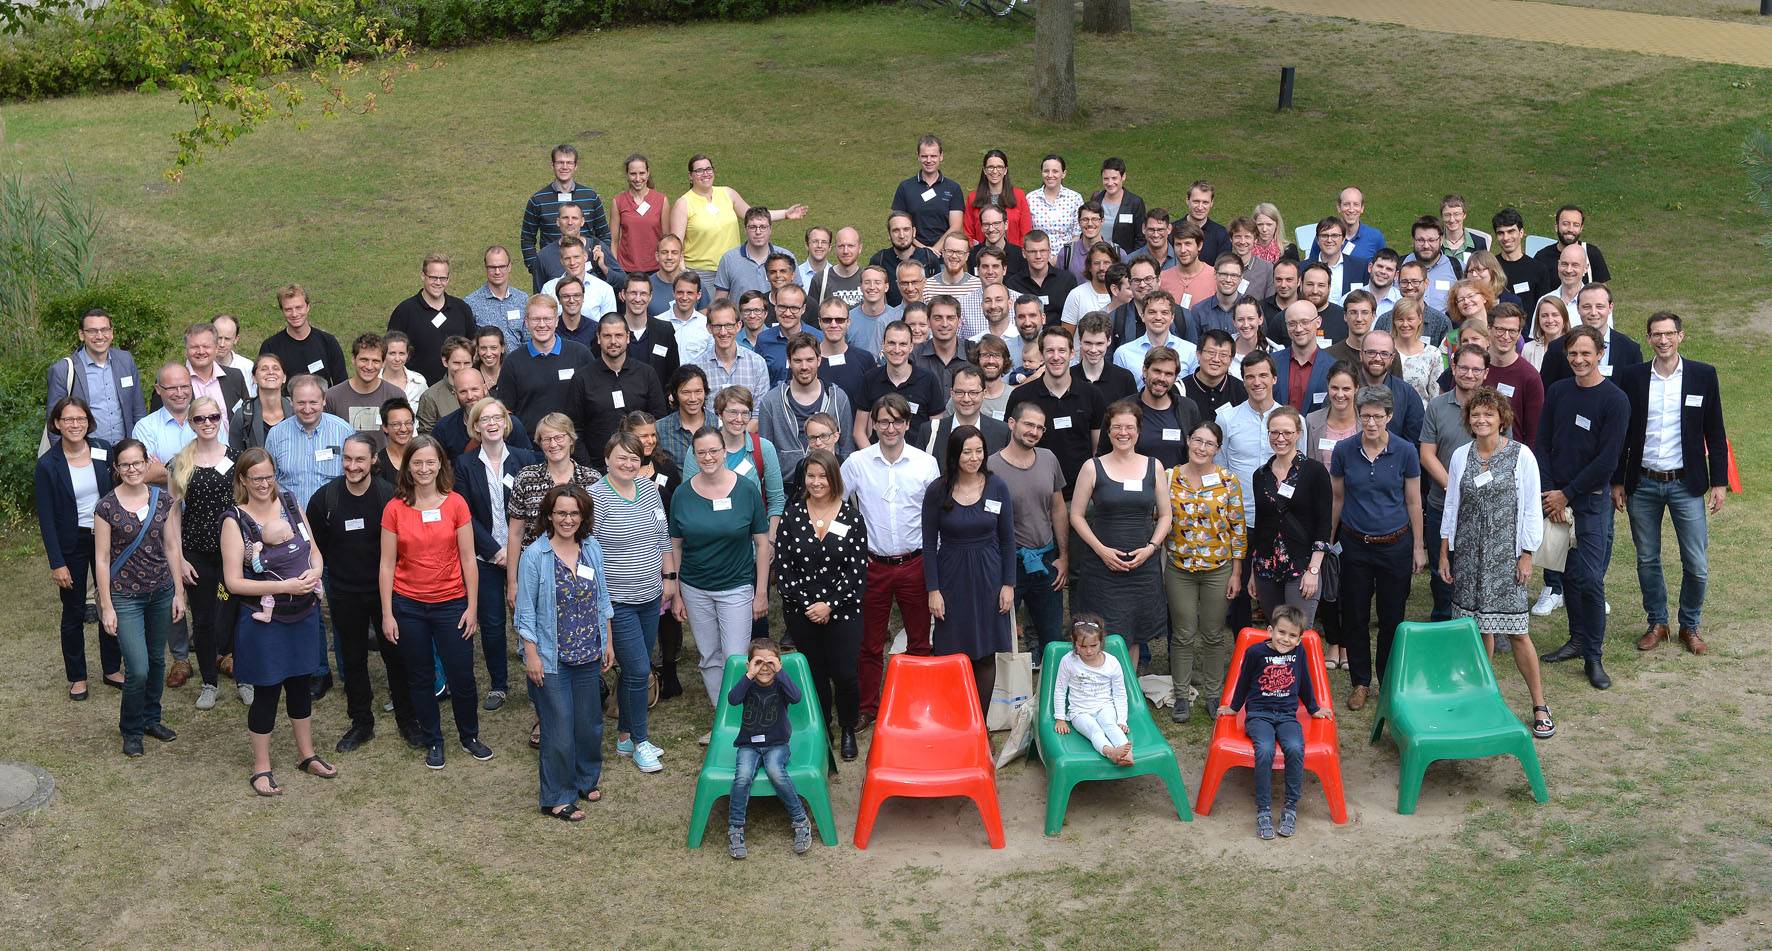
{"points": [[1584, 576], [492, 626], [775, 766], [570, 704], [1430, 527], [634, 631], [1645, 507], [143, 621], [1045, 606], [429, 631], [1264, 734]]}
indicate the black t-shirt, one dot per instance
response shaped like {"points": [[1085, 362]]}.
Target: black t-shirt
{"points": [[1228, 392], [1116, 383], [1069, 418], [429, 327], [1529, 272], [347, 529], [921, 388], [317, 353], [850, 376], [1052, 292]]}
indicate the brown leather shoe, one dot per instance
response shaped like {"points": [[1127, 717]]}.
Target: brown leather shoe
{"points": [[1357, 699], [225, 664], [178, 673], [1689, 637], [1653, 637]]}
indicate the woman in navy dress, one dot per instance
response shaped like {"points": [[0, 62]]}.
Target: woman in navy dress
{"points": [[969, 556]]}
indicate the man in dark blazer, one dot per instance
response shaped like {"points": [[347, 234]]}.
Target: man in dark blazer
{"points": [[1675, 457], [117, 401], [209, 378], [1595, 305]]}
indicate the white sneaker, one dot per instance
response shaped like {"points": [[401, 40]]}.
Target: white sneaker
{"points": [[1548, 601], [206, 699], [1608, 607], [647, 760], [245, 693], [648, 747]]}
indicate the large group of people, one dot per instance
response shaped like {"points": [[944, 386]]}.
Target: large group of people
{"points": [[1186, 425]]}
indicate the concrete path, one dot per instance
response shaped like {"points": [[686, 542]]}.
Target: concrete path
{"points": [[1712, 41]]}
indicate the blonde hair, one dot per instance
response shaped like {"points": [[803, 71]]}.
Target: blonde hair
{"points": [[185, 462], [1269, 209]]}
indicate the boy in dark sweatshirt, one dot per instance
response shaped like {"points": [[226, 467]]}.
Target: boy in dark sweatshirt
{"points": [[763, 733], [1274, 682]]}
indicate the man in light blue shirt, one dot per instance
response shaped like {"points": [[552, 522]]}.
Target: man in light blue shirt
{"points": [[166, 430], [497, 303], [306, 447], [105, 378], [1159, 316]]}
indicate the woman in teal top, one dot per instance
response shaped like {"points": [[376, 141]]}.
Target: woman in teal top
{"points": [[748, 454], [720, 533]]}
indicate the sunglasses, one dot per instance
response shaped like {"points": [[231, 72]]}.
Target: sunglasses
{"points": [[207, 418]]}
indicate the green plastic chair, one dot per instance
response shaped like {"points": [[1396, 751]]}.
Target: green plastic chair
{"points": [[1442, 702], [809, 758], [1070, 760]]}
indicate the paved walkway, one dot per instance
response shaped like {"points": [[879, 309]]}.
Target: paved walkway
{"points": [[1712, 41]]}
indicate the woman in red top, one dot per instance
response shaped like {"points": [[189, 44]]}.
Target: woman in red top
{"points": [[428, 593], [994, 188], [640, 216]]}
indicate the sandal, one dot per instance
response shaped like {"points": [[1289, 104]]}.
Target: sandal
{"points": [[308, 766], [535, 735], [276, 790], [590, 795], [1543, 727], [567, 813]]}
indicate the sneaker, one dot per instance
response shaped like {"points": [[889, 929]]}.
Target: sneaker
{"points": [[625, 747], [206, 699], [477, 749], [735, 843], [245, 692], [1608, 607], [1264, 825], [1288, 822], [646, 760], [802, 836], [387, 706], [1181, 713], [434, 756], [494, 700], [1548, 601], [646, 746]]}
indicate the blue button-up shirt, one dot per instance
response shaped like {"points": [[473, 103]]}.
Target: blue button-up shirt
{"points": [[307, 459], [163, 435], [772, 346], [505, 313], [101, 396]]}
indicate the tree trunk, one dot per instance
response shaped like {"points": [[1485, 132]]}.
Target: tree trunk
{"points": [[1055, 73], [1107, 16]]}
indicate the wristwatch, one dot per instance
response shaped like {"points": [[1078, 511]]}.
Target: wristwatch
{"points": [[670, 576], [1315, 570]]}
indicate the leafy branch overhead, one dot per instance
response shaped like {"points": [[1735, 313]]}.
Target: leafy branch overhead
{"points": [[229, 60]]}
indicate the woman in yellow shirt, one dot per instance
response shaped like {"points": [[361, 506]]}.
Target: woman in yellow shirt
{"points": [[710, 218]]}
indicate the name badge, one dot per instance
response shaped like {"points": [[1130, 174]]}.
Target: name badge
{"points": [[100, 454], [323, 455], [1062, 422], [1356, 285], [509, 481], [759, 738], [1210, 479], [1442, 285], [659, 514], [126, 382], [1285, 490], [744, 467], [303, 528], [1606, 370], [431, 515], [643, 207], [1187, 300], [713, 209], [1696, 399], [513, 314], [1172, 435], [224, 466], [722, 505], [660, 480], [658, 350], [616, 397], [1045, 300], [437, 321], [915, 407], [1132, 485], [316, 366], [353, 524], [1125, 219], [1507, 389], [993, 506], [1318, 397], [1325, 445], [1582, 422], [837, 359], [1484, 479], [585, 572], [565, 196], [1243, 286], [236, 407], [566, 373], [141, 514], [929, 195], [1522, 287], [839, 529]]}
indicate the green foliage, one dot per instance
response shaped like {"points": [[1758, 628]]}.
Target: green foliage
{"points": [[1756, 158], [144, 325], [447, 23], [47, 234]]}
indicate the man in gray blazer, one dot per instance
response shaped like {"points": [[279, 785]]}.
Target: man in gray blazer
{"points": [[105, 378]]}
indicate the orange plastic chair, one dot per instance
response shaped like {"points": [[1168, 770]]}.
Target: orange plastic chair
{"points": [[1322, 744], [930, 742]]}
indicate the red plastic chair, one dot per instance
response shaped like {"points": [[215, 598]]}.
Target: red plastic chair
{"points": [[1322, 745], [930, 742]]}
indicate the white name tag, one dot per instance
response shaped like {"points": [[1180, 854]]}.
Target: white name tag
{"points": [[1285, 490], [323, 455], [1606, 371], [993, 506], [1442, 285], [141, 514], [1062, 422], [1187, 300], [1243, 286], [1582, 422], [759, 738], [585, 572], [1209, 480], [1132, 485], [509, 481], [1507, 389], [839, 529], [236, 407], [316, 366], [353, 524], [658, 350], [513, 314], [643, 207], [713, 209], [100, 454], [437, 321], [1696, 399], [1522, 287], [837, 359], [565, 196], [1045, 300], [1125, 219], [1483, 479], [658, 514], [1318, 397], [1356, 285], [1172, 435], [127, 381], [566, 373], [224, 466], [722, 505], [915, 407], [1325, 445], [619, 399], [929, 195], [744, 467], [431, 515], [303, 528], [660, 480]]}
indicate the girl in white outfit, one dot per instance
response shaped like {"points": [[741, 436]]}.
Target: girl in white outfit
{"points": [[1090, 693]]}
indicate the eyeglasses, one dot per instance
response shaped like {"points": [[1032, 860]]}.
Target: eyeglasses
{"points": [[499, 267], [1371, 419], [996, 168], [1410, 282], [567, 297], [705, 170], [207, 418], [717, 328], [967, 392], [1514, 331], [891, 423], [790, 308], [408, 424], [1473, 371], [759, 228], [833, 320], [820, 437], [1383, 354], [97, 331], [261, 480], [1282, 434], [1204, 442], [554, 439], [131, 466], [436, 278], [72, 420]]}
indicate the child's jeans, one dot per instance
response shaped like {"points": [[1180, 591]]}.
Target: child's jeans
{"points": [[1264, 734], [775, 765], [1100, 728]]}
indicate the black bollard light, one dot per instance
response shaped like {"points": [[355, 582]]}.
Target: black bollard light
{"points": [[1288, 74]]}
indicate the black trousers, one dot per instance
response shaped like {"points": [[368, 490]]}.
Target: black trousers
{"points": [[833, 651], [356, 619]]}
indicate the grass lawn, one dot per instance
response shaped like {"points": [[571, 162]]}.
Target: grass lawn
{"points": [[1654, 836]]}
